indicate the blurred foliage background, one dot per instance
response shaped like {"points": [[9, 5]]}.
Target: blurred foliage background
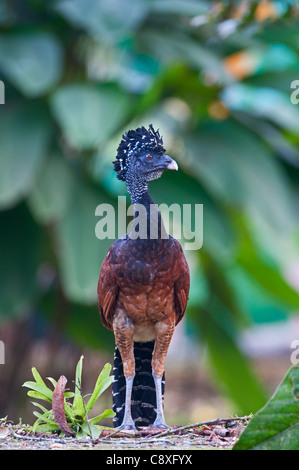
{"points": [[215, 77]]}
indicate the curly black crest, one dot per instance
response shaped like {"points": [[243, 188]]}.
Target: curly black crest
{"points": [[134, 143]]}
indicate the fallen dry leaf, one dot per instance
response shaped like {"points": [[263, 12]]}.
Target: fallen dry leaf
{"points": [[4, 432], [58, 406]]}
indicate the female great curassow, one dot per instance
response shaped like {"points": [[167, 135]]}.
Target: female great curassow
{"points": [[143, 287]]}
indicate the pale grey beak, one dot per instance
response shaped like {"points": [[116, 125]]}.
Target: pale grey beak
{"points": [[171, 164]]}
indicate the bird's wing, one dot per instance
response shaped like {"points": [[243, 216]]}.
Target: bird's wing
{"points": [[181, 285], [107, 291]]}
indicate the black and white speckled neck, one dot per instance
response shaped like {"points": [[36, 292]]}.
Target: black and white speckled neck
{"points": [[152, 227], [137, 186]]}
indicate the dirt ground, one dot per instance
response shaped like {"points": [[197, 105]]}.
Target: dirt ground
{"points": [[220, 434]]}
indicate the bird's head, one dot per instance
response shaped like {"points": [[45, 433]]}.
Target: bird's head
{"points": [[141, 156]]}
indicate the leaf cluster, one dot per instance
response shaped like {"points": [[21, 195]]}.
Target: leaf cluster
{"points": [[77, 407]]}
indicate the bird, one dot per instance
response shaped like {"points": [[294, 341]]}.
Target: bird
{"points": [[143, 287]]}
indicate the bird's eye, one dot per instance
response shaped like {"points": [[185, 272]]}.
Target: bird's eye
{"points": [[149, 157]]}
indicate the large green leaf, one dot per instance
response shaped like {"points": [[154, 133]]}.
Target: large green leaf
{"points": [[51, 191], [177, 7], [237, 167], [276, 425], [266, 273], [240, 170], [263, 102], [25, 132], [270, 279], [20, 248], [80, 252], [259, 306], [228, 364], [183, 188], [89, 333], [110, 20], [219, 319], [221, 288], [173, 47], [88, 115], [32, 62]]}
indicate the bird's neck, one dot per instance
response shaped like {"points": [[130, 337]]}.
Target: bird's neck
{"points": [[147, 219]]}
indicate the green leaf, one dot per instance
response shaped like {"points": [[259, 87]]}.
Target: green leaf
{"points": [[181, 188], [20, 258], [109, 20], [89, 427], [89, 115], [175, 47], [50, 193], [37, 395], [91, 332], [105, 372], [78, 380], [105, 414], [78, 406], [43, 417], [25, 132], [33, 62], [271, 280], [229, 365], [251, 181], [41, 407], [53, 381], [276, 425], [263, 102], [80, 253], [266, 273], [43, 391], [102, 383], [46, 428], [177, 7], [37, 377], [68, 410], [220, 287]]}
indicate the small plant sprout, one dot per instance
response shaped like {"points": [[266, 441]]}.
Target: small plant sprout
{"points": [[69, 412]]}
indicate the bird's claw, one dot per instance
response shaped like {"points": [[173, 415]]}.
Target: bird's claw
{"points": [[127, 427], [160, 424]]}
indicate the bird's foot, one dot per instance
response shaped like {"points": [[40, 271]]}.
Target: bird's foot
{"points": [[160, 423], [127, 425]]}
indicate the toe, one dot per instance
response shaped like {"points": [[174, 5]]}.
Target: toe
{"points": [[160, 424], [127, 427]]}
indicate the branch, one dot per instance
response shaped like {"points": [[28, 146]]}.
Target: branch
{"points": [[189, 426]]}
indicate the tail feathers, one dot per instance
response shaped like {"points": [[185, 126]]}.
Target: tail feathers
{"points": [[143, 402]]}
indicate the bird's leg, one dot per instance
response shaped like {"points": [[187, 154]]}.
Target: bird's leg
{"points": [[128, 422], [164, 332], [123, 331], [160, 420]]}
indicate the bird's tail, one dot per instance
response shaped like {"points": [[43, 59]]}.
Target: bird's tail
{"points": [[143, 402]]}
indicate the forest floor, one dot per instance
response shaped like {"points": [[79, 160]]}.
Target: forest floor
{"points": [[216, 434]]}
